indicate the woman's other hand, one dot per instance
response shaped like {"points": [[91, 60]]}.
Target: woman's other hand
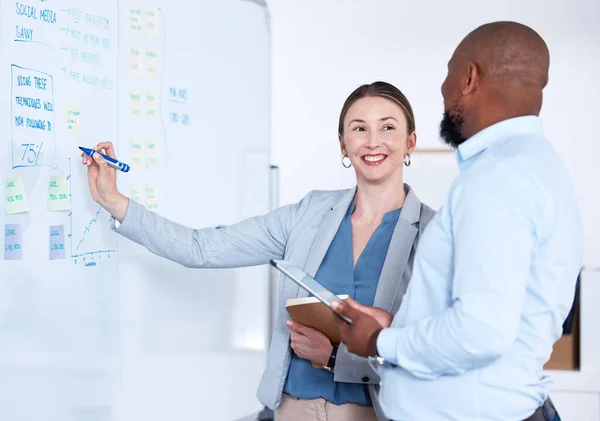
{"points": [[309, 343]]}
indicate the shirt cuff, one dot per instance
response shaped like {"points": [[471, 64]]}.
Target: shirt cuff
{"points": [[386, 344], [115, 224]]}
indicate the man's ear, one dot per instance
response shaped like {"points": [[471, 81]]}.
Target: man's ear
{"points": [[472, 79]]}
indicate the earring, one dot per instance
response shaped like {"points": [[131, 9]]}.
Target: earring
{"points": [[407, 160], [349, 162]]}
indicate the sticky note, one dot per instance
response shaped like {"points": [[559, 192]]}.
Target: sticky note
{"points": [[73, 113], [152, 22], [33, 139], [136, 62], [137, 153], [59, 197], [135, 20], [151, 106], [152, 195], [57, 242], [136, 191], [13, 233], [15, 199], [152, 62], [152, 154], [136, 104]]}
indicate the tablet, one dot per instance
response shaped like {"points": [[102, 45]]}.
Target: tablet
{"points": [[309, 284]]}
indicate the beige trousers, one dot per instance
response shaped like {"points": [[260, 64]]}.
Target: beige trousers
{"points": [[292, 409]]}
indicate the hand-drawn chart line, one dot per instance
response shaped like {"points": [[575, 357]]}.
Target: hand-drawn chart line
{"points": [[85, 231]]}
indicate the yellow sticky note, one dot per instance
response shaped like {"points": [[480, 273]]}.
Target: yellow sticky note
{"points": [[152, 22], [14, 196], [135, 98], [136, 62], [152, 154], [152, 195], [135, 20], [152, 62], [135, 192], [59, 198], [137, 153], [73, 113], [151, 106]]}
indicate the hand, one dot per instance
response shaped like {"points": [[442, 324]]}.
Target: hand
{"points": [[103, 181], [361, 336], [309, 343]]}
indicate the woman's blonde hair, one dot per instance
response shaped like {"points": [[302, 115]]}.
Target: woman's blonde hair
{"points": [[383, 90]]}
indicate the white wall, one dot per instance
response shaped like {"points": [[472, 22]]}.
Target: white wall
{"points": [[323, 49]]}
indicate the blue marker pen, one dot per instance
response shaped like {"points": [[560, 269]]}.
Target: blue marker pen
{"points": [[111, 161]]}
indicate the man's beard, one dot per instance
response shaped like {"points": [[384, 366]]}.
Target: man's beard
{"points": [[451, 127]]}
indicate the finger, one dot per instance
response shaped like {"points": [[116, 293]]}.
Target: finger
{"points": [[92, 181], [297, 347], [294, 336], [356, 305], [371, 311], [374, 312], [298, 327], [108, 148], [344, 309], [99, 159]]}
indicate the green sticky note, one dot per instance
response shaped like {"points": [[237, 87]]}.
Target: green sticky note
{"points": [[135, 192], [59, 198], [152, 196], [14, 196]]}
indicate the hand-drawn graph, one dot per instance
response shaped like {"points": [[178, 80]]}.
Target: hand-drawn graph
{"points": [[78, 252]]}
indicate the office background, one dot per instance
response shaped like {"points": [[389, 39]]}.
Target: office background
{"points": [[102, 330]]}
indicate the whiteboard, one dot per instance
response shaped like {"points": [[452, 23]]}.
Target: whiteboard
{"points": [[92, 326]]}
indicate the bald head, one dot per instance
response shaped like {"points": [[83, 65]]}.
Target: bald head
{"points": [[508, 54], [497, 72]]}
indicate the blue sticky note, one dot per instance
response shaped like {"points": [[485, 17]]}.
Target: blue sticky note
{"points": [[57, 242], [13, 250]]}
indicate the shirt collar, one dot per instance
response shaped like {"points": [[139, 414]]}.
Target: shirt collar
{"points": [[488, 136]]}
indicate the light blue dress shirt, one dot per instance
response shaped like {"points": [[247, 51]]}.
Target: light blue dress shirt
{"points": [[338, 274], [494, 278]]}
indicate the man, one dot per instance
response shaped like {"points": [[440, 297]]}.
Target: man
{"points": [[495, 272]]}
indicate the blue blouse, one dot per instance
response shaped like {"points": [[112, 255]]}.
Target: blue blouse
{"points": [[338, 274]]}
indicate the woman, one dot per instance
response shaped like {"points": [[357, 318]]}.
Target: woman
{"points": [[359, 242]]}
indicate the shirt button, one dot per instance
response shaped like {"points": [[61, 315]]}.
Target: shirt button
{"points": [[365, 379]]}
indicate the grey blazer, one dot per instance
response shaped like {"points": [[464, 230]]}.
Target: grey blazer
{"points": [[301, 233]]}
